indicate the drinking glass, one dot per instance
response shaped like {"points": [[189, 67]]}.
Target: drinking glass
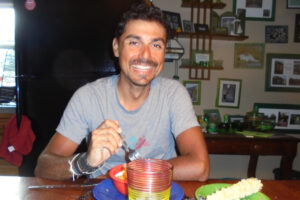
{"points": [[149, 179]]}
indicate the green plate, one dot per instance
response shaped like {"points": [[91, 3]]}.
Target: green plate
{"points": [[211, 188]]}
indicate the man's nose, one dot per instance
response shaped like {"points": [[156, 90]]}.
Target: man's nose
{"points": [[146, 52]]}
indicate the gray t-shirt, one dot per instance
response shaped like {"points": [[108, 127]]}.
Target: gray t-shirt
{"points": [[151, 129]]}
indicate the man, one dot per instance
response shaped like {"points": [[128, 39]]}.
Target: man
{"points": [[150, 113]]}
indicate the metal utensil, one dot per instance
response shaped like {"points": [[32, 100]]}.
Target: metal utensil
{"points": [[131, 154], [61, 186]]}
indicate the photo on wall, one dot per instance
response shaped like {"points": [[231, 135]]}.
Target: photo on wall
{"points": [[249, 55], [276, 34], [228, 93], [194, 90], [283, 72]]}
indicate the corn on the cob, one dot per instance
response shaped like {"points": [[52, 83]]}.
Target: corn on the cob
{"points": [[243, 188]]}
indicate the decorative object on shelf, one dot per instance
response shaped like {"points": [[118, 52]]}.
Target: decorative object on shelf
{"points": [[249, 55], [276, 34], [253, 118], [201, 28], [213, 116], [217, 63], [174, 20], [213, 120], [262, 10], [202, 58], [188, 26], [174, 50], [297, 28], [293, 4], [231, 23], [194, 89], [283, 72], [215, 22], [236, 118], [287, 116], [228, 93]]}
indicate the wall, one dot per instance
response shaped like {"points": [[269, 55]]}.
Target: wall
{"points": [[253, 82]]}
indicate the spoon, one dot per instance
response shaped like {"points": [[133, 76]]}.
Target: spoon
{"points": [[131, 154]]}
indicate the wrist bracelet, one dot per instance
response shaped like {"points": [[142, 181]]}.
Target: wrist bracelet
{"points": [[72, 169], [81, 165]]}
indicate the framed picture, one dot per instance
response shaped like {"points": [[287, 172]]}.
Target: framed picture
{"points": [[287, 116], [201, 28], [276, 34], [228, 94], [283, 72], [200, 57], [227, 21], [293, 4], [249, 55], [263, 10], [297, 28], [194, 89], [212, 115], [174, 20], [236, 118], [188, 26]]}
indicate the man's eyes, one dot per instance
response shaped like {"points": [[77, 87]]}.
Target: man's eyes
{"points": [[157, 45], [132, 42]]}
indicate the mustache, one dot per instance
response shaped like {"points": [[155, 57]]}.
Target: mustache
{"points": [[140, 61]]}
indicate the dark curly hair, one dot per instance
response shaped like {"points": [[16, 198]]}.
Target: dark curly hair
{"points": [[140, 10]]}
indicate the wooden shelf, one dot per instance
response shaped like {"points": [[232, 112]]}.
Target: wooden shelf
{"points": [[203, 5], [212, 36], [201, 72]]}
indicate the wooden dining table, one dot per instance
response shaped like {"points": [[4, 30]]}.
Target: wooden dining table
{"points": [[16, 188]]}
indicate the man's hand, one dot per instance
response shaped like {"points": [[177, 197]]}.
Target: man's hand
{"points": [[105, 141]]}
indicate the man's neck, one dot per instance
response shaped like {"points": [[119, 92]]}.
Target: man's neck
{"points": [[131, 96]]}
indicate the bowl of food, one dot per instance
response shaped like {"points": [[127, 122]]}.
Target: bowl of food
{"points": [[118, 175]]}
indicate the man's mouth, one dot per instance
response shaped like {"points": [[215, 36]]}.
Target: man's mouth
{"points": [[142, 67]]}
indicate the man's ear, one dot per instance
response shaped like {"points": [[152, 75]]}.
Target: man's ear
{"points": [[115, 46]]}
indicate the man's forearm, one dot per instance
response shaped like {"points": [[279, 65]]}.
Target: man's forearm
{"points": [[55, 167], [187, 168]]}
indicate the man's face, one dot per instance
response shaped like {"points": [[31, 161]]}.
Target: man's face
{"points": [[141, 51]]}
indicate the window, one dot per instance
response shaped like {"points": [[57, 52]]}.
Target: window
{"points": [[7, 43], [7, 55]]}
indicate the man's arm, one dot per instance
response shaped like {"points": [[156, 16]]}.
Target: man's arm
{"points": [[53, 161], [193, 161]]}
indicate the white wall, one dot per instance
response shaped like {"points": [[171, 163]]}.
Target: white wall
{"points": [[253, 83]]}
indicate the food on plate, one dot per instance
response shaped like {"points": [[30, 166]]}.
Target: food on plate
{"points": [[122, 174], [239, 190]]}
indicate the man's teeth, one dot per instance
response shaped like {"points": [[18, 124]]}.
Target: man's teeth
{"points": [[141, 67]]}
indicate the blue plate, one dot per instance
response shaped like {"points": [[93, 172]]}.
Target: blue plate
{"points": [[107, 191]]}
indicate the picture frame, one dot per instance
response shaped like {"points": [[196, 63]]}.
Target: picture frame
{"points": [[188, 26], [212, 115], [227, 21], [282, 72], [276, 34], [259, 10], [287, 116], [297, 28], [194, 90], [293, 4], [201, 28], [249, 55], [236, 118], [174, 20], [202, 58], [228, 93]]}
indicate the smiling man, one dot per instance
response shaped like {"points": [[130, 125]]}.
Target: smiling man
{"points": [[152, 114]]}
